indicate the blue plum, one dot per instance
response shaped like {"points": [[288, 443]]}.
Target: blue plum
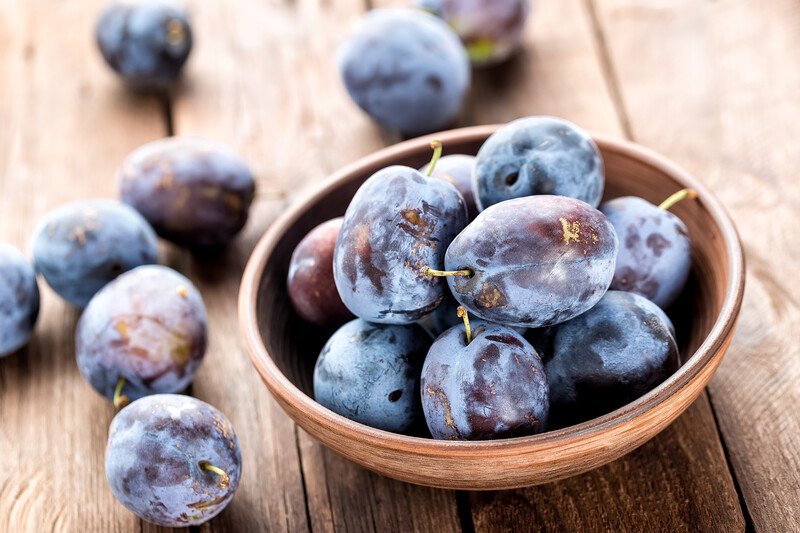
{"points": [[609, 356], [446, 316], [80, 247], [655, 253], [491, 30], [145, 332], [406, 69], [532, 262], [173, 460], [538, 155], [398, 224], [488, 387], [457, 169], [193, 191], [19, 300], [146, 42], [370, 373]]}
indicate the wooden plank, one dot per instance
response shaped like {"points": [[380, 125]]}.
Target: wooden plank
{"points": [[715, 86], [65, 125]]}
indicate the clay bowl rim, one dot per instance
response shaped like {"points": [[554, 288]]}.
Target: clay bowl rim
{"points": [[287, 392]]}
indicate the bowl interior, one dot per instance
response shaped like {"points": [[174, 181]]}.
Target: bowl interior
{"points": [[294, 345]]}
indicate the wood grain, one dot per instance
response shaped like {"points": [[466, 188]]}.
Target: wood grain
{"points": [[718, 94]]}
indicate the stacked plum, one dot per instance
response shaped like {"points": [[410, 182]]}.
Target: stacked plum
{"points": [[514, 240]]}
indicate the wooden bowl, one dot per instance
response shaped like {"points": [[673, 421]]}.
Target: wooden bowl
{"points": [[284, 349]]}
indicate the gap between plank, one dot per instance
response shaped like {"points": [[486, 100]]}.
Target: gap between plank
{"points": [[166, 109], [303, 477], [464, 510]]}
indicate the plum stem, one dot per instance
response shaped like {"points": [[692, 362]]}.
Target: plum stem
{"points": [[462, 313], [682, 194], [466, 273], [436, 144], [120, 400], [224, 479]]}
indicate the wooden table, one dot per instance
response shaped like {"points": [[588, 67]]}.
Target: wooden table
{"points": [[713, 85]]}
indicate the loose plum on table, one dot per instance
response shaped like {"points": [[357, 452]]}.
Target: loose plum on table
{"points": [[19, 300]]}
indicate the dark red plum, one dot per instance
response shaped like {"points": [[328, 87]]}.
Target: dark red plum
{"points": [[533, 262], [406, 69], [144, 333], [370, 373], [146, 42], [609, 356], [80, 247], [399, 223], [491, 30], [538, 155], [457, 169], [310, 282], [194, 192], [491, 387], [655, 252], [173, 460], [19, 300]]}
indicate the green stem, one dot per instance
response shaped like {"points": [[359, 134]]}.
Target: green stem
{"points": [[120, 400], [682, 194], [466, 273], [462, 313], [224, 480], [437, 153]]}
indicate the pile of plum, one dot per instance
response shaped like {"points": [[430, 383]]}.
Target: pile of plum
{"points": [[565, 300]]}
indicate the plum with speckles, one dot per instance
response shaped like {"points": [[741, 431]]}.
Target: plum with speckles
{"points": [[534, 261], [538, 155], [399, 223], [609, 356], [146, 42], [491, 30], [406, 69], [148, 327], [194, 192], [173, 460], [370, 373], [655, 253], [490, 388], [457, 169], [80, 247], [19, 300], [310, 281]]}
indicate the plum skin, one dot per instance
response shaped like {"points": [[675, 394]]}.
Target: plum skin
{"points": [[538, 155], [493, 387], [310, 283], [146, 43], [194, 192], [79, 247], [535, 261], [655, 254], [398, 223], [19, 300], [148, 326], [406, 69], [609, 356], [155, 450], [457, 169], [370, 373]]}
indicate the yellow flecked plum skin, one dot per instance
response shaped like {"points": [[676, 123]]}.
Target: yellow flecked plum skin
{"points": [[535, 261]]}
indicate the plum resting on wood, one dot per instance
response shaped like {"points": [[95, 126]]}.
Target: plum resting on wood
{"points": [[173, 460], [19, 300]]}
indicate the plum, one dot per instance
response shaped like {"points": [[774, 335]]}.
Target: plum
{"points": [[310, 281], [370, 373], [457, 169], [446, 316], [146, 42], [655, 250], [19, 300], [193, 191], [491, 30], [144, 333], [173, 460], [609, 356], [398, 224], [538, 155], [80, 247], [406, 69], [532, 262], [486, 383]]}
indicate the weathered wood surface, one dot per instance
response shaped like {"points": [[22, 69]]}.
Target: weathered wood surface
{"points": [[713, 85]]}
